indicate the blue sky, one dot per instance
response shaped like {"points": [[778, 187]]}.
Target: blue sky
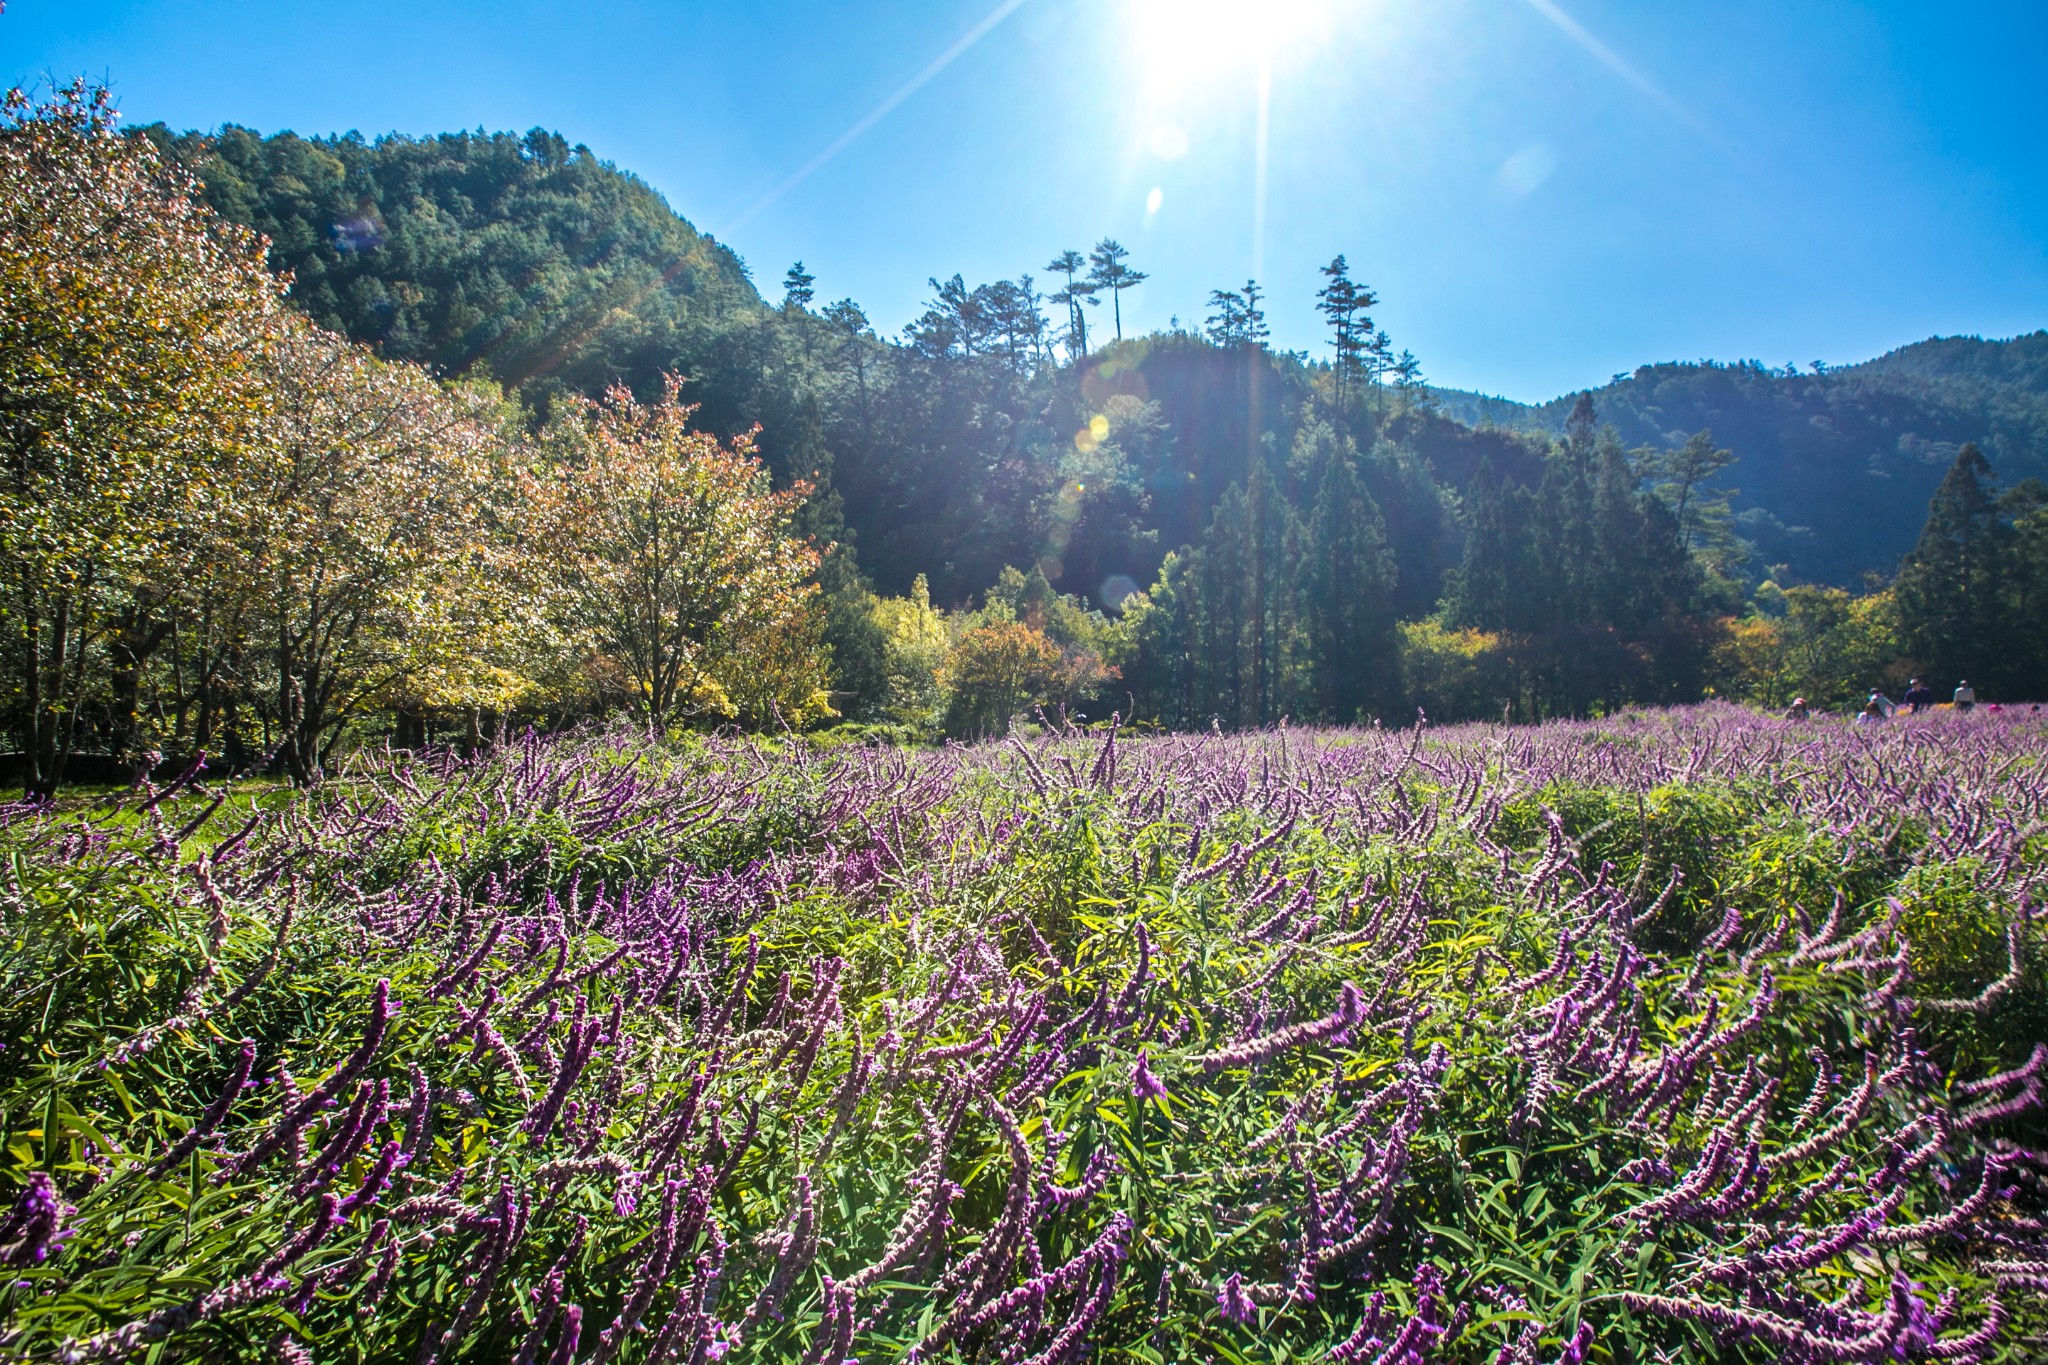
{"points": [[1545, 192]]}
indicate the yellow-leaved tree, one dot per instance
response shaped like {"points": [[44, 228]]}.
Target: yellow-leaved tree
{"points": [[130, 323], [676, 563], [915, 645], [361, 566], [996, 671]]}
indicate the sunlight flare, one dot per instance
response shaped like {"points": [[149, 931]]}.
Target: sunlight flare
{"points": [[1181, 41]]}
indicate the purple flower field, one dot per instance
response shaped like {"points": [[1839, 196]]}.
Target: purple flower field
{"points": [[1685, 1037]]}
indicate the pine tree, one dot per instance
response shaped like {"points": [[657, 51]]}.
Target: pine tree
{"points": [[1683, 476], [1107, 270], [1256, 332], [1073, 294], [1346, 304], [1412, 388], [797, 291], [1226, 323], [1951, 586], [855, 336], [1236, 318], [1347, 583]]}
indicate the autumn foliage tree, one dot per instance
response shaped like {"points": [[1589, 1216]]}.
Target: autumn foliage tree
{"points": [[130, 321], [675, 560], [995, 671], [352, 529]]}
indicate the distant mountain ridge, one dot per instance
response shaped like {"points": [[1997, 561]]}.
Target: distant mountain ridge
{"points": [[1834, 468]]}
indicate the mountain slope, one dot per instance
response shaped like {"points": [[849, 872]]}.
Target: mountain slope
{"points": [[1833, 469], [519, 256]]}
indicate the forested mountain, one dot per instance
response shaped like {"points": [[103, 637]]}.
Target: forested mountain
{"points": [[524, 256], [1834, 466]]}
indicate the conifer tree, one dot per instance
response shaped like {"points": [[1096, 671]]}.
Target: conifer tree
{"points": [[1107, 269], [1236, 318], [1226, 318], [1073, 294], [1346, 587], [1256, 332], [1223, 576], [854, 640], [1951, 586], [1581, 427], [2023, 670], [1683, 476], [797, 290], [1346, 304], [1485, 593], [1160, 626]]}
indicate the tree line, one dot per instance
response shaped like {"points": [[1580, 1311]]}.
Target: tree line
{"points": [[271, 495], [231, 531]]}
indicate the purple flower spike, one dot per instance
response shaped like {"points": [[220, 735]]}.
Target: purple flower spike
{"points": [[1233, 1302], [1575, 1349], [35, 1228], [1144, 1084]]}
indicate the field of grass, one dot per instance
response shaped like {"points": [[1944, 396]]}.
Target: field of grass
{"points": [[1678, 1037]]}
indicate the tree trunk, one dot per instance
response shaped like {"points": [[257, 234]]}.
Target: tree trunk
{"points": [[47, 669], [32, 674]]}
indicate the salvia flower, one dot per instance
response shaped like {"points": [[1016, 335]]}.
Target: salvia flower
{"points": [[35, 1226], [1233, 1302], [1144, 1084]]}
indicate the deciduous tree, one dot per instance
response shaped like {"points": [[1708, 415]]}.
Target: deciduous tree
{"points": [[674, 557], [996, 671], [129, 318], [356, 561]]}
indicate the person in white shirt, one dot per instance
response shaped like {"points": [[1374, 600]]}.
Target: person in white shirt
{"points": [[1966, 695]]}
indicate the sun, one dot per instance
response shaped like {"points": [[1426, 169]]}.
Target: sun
{"points": [[1181, 41]]}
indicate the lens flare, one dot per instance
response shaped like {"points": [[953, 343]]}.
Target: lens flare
{"points": [[1184, 40], [1169, 142]]}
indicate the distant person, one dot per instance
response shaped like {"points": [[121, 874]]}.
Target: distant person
{"points": [[1797, 710], [1885, 706], [1966, 696], [1872, 713], [1919, 696]]}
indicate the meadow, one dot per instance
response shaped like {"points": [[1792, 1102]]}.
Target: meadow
{"points": [[1679, 1036]]}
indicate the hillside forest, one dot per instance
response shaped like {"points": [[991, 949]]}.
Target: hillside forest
{"points": [[313, 444]]}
